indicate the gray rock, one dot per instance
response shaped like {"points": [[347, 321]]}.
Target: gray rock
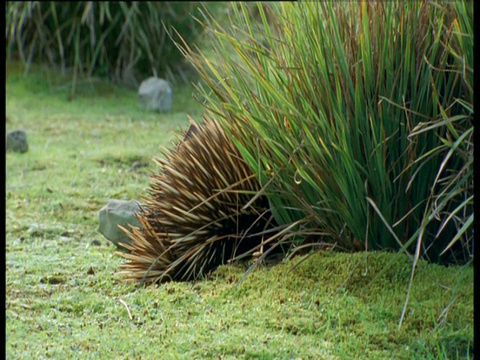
{"points": [[118, 212], [17, 141], [155, 94]]}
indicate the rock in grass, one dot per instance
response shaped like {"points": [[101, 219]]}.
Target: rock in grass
{"points": [[118, 212], [17, 141], [155, 94]]}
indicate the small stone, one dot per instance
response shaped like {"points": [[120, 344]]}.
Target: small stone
{"points": [[17, 141], [118, 212], [155, 94]]}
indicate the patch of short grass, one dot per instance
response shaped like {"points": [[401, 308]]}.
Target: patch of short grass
{"points": [[63, 299], [82, 152]]}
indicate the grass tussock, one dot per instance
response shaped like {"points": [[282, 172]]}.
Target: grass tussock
{"points": [[355, 117]]}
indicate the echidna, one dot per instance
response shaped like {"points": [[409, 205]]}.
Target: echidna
{"points": [[195, 217]]}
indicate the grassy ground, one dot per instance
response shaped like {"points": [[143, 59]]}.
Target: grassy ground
{"points": [[63, 299]]}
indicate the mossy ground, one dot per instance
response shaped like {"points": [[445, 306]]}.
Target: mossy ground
{"points": [[64, 301]]}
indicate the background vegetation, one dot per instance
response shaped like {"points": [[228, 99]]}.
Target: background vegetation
{"points": [[121, 41]]}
